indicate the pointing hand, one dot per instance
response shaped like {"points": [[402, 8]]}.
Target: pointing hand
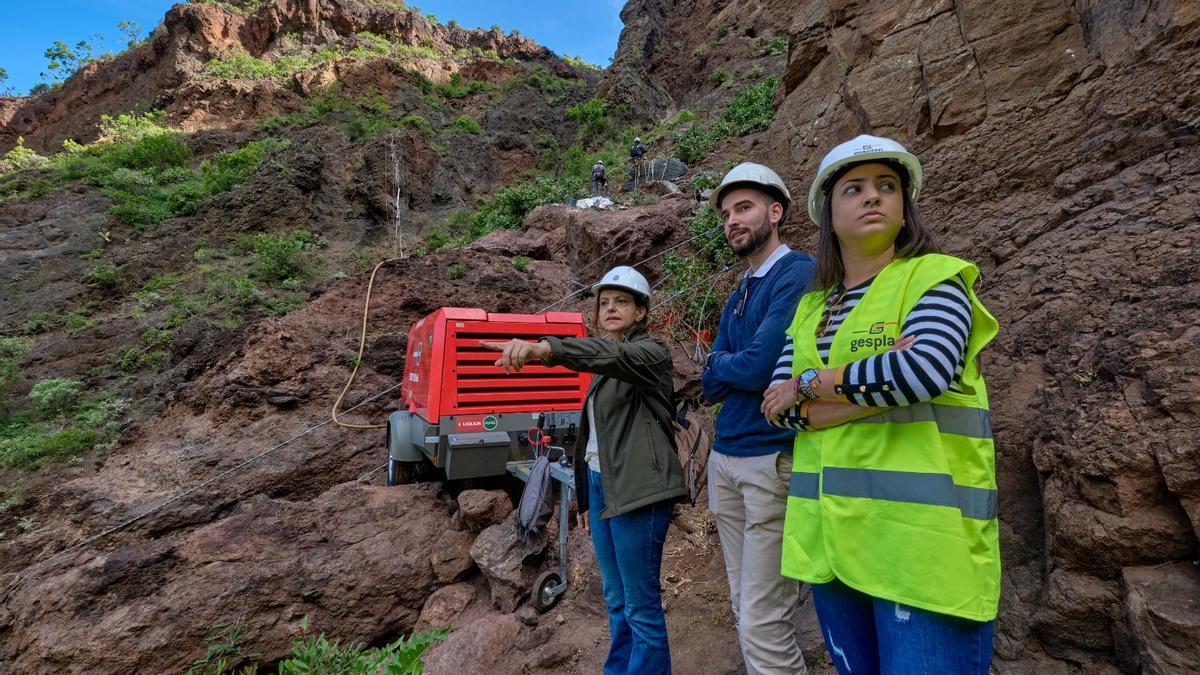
{"points": [[515, 353]]}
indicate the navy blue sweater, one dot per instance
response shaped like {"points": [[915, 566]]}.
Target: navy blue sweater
{"points": [[744, 354]]}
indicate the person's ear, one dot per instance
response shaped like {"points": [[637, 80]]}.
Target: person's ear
{"points": [[775, 213]]}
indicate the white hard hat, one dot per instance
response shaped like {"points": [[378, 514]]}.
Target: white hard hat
{"points": [[599, 161], [860, 149], [637, 139], [626, 278], [751, 175]]}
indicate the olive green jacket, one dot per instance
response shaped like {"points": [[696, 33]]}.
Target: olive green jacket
{"points": [[638, 464]]}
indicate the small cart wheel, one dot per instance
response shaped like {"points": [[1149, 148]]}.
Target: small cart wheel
{"points": [[543, 599]]}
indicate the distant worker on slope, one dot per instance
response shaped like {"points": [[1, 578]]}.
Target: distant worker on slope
{"points": [[636, 153], [599, 179], [891, 511], [751, 461]]}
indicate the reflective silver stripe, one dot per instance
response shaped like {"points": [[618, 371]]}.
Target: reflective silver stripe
{"points": [[950, 419], [804, 485], [934, 489]]}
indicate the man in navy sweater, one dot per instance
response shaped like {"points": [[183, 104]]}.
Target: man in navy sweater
{"points": [[751, 464]]}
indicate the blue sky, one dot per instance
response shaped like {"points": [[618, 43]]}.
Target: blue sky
{"points": [[587, 28]]}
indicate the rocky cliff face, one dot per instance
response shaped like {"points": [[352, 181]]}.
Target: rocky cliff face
{"points": [[1059, 142], [165, 71]]}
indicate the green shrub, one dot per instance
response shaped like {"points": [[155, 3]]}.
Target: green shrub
{"points": [[457, 271], [459, 87], [692, 143], [682, 117], [239, 65], [224, 652], [14, 500], [138, 211], [521, 263], [579, 63], [283, 303], [719, 77], [753, 108], [775, 45], [78, 321], [407, 51], [358, 117], [319, 654], [437, 237], [161, 281], [104, 275], [371, 46], [152, 151], [279, 256], [64, 423], [592, 118], [39, 322], [134, 359], [750, 110], [694, 289], [544, 81], [57, 396], [11, 351], [509, 206], [128, 127], [20, 157], [142, 167], [55, 445], [417, 122], [465, 124], [226, 169], [160, 335]]}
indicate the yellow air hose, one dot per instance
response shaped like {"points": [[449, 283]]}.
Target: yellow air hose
{"points": [[362, 344]]}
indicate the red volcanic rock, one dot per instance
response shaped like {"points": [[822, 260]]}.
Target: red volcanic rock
{"points": [[355, 561], [481, 509]]}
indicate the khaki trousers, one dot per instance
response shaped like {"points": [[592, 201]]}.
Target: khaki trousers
{"points": [[748, 498]]}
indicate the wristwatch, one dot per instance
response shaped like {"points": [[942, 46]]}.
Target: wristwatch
{"points": [[804, 384]]}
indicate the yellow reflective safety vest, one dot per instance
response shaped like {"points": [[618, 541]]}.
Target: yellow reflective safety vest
{"points": [[900, 505]]}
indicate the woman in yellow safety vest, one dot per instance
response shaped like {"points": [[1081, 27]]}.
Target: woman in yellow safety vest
{"points": [[892, 502]]}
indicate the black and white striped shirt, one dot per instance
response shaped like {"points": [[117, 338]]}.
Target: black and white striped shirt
{"points": [[940, 322]]}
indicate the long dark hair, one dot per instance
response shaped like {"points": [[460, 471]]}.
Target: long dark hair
{"points": [[914, 239]]}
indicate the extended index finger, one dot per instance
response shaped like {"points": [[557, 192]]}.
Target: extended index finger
{"points": [[492, 345]]}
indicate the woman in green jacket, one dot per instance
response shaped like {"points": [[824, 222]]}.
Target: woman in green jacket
{"points": [[892, 503], [626, 470]]}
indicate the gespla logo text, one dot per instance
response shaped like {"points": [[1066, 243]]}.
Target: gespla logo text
{"points": [[876, 341]]}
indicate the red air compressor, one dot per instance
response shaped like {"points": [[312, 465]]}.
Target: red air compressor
{"points": [[467, 416]]}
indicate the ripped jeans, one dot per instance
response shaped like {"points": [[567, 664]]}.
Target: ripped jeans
{"points": [[869, 636]]}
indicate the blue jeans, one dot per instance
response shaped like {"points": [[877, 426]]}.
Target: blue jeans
{"points": [[629, 553], [866, 635]]}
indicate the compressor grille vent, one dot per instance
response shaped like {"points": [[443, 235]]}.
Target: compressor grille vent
{"points": [[484, 387]]}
